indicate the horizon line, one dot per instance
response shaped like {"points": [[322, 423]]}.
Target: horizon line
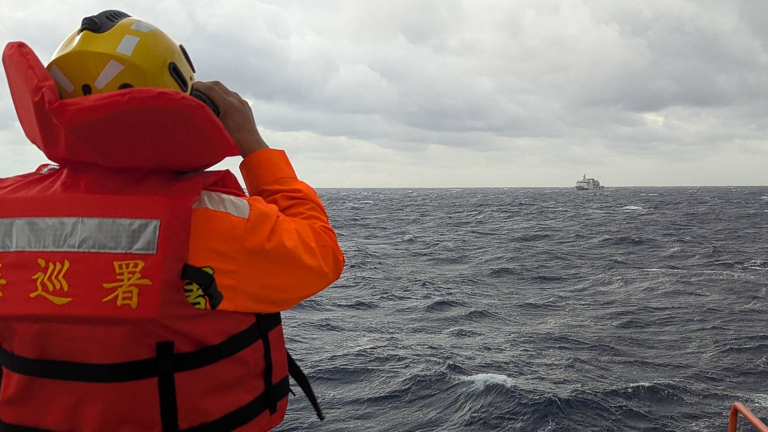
{"points": [[534, 187]]}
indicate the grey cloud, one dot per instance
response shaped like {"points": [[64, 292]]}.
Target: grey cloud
{"points": [[402, 69]]}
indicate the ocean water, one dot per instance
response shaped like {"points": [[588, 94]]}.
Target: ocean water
{"points": [[627, 309]]}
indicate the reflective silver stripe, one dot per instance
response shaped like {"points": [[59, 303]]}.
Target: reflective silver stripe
{"points": [[62, 79], [222, 202], [68, 234], [127, 45], [108, 73], [142, 26]]}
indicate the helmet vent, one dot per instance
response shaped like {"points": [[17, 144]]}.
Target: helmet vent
{"points": [[178, 76], [116, 16]]}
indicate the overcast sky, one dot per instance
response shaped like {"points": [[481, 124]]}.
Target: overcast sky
{"points": [[452, 93]]}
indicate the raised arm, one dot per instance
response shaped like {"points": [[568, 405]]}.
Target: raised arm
{"points": [[275, 248]]}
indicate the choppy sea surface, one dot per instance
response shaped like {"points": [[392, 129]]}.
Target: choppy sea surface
{"points": [[626, 309]]}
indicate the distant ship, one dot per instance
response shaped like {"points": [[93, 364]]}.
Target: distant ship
{"points": [[588, 184]]}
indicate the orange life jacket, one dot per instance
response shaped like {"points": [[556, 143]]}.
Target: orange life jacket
{"points": [[96, 333]]}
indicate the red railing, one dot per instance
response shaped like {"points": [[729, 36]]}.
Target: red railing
{"points": [[739, 408]]}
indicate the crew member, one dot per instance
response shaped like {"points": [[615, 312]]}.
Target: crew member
{"points": [[138, 291]]}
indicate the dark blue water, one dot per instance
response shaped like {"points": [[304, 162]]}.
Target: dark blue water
{"points": [[629, 309]]}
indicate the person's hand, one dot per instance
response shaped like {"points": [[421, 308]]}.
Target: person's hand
{"points": [[236, 115]]}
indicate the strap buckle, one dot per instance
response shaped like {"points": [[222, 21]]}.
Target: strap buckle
{"points": [[203, 277]]}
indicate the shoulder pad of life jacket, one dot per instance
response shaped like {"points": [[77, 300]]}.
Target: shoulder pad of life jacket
{"points": [[134, 128]]}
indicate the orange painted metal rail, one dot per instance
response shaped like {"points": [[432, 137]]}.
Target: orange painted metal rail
{"points": [[739, 408]]}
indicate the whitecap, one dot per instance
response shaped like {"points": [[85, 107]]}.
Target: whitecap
{"points": [[755, 305], [757, 265], [484, 380], [759, 399], [698, 272], [365, 202], [632, 208]]}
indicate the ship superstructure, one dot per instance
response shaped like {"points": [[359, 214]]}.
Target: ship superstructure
{"points": [[588, 184]]}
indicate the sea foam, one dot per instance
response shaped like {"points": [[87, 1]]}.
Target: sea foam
{"points": [[484, 380]]}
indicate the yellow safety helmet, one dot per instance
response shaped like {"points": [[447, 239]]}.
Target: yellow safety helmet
{"points": [[113, 51]]}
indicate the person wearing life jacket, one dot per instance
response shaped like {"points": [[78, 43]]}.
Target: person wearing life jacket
{"points": [[138, 291]]}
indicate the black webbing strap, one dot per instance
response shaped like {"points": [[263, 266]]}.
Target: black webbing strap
{"points": [[7, 427], [245, 414], [268, 367], [163, 366], [301, 379], [138, 369], [228, 423], [206, 281], [166, 387]]}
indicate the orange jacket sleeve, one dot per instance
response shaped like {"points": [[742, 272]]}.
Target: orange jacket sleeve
{"points": [[269, 251]]}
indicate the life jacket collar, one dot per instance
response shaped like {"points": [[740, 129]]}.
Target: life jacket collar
{"points": [[143, 128]]}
